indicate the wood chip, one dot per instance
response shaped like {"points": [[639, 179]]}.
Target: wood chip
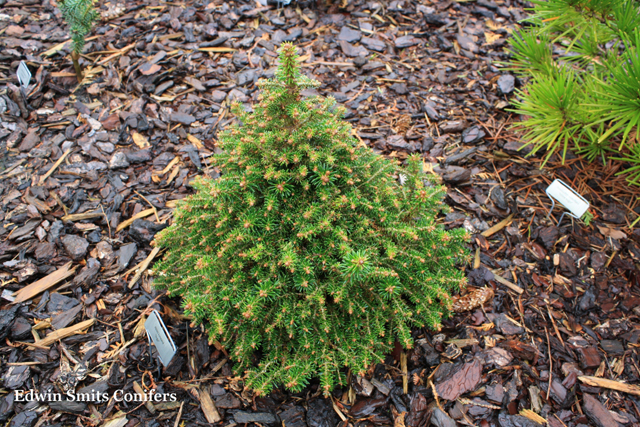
{"points": [[499, 226], [142, 214], [177, 422], [507, 283], [208, 407], [174, 173], [43, 284], [117, 54], [195, 141], [475, 298], [405, 372], [147, 403], [143, 266], [82, 216], [39, 204], [66, 332], [217, 49], [532, 416], [44, 177], [610, 384], [117, 421], [171, 164], [338, 411], [140, 140]]}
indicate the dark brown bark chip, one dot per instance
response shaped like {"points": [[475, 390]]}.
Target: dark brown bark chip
{"points": [[75, 246], [613, 213], [320, 413], [118, 161], [349, 35], [67, 405], [455, 126], [144, 231], [30, 140], [507, 326], [567, 264], [614, 347], [441, 419], [111, 122], [16, 376], [185, 119], [125, 253], [467, 43], [59, 303], [406, 41], [21, 329], [65, 318], [478, 408], [24, 419], [88, 273], [498, 198], [373, 44], [597, 412], [548, 236], [228, 401], [45, 251], [419, 413], [505, 420], [589, 357], [351, 50], [598, 260], [463, 379], [174, 366], [7, 318], [6, 406], [473, 135], [495, 393], [365, 407], [558, 392], [456, 175], [293, 417], [495, 356], [242, 417], [506, 84]]}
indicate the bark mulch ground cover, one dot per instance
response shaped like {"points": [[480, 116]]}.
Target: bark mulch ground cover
{"points": [[89, 173]]}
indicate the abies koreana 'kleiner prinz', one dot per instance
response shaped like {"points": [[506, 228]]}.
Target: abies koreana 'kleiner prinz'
{"points": [[307, 256]]}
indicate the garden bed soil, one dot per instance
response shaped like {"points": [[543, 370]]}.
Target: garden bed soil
{"points": [[90, 173]]}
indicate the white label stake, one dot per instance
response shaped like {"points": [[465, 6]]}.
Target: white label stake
{"points": [[24, 75], [567, 197], [158, 334]]}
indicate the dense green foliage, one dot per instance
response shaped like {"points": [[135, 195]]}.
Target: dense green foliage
{"points": [[80, 16], [582, 58], [307, 255]]}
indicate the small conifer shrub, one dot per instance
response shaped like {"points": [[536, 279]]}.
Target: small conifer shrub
{"points": [[306, 256], [80, 16], [582, 61]]}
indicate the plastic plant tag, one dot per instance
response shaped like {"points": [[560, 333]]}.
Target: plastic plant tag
{"points": [[24, 75], [567, 197], [158, 334]]}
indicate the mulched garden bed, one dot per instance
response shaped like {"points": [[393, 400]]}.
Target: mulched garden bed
{"points": [[90, 173]]}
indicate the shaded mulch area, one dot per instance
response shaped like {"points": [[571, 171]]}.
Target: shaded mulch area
{"points": [[89, 173]]}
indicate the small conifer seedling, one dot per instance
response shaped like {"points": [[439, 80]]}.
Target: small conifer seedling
{"points": [[80, 16], [307, 256]]}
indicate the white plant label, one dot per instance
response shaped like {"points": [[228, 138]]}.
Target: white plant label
{"points": [[158, 334], [568, 197], [24, 75]]}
